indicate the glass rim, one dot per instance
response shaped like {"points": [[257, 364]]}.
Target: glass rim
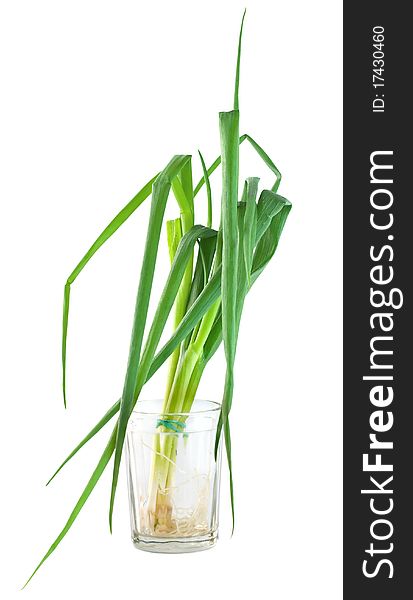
{"points": [[212, 407]]}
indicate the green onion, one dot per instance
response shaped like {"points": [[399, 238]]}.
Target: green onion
{"points": [[210, 274]]}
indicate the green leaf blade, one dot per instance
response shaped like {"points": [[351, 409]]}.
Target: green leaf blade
{"points": [[101, 423], [208, 188], [97, 473], [229, 130], [113, 226], [237, 71]]}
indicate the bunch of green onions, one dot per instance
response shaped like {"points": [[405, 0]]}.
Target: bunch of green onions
{"points": [[211, 272]]}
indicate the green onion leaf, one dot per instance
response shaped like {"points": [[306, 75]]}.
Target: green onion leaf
{"points": [[113, 226]]}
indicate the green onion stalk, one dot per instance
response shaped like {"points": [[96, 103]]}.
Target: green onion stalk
{"points": [[184, 376]]}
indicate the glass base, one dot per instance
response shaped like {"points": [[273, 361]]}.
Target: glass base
{"points": [[175, 545]]}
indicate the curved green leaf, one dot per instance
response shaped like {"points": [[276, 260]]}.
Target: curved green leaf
{"points": [[113, 226], [104, 459], [105, 419], [208, 187], [261, 153]]}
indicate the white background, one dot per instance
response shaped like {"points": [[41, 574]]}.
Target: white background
{"points": [[96, 98]]}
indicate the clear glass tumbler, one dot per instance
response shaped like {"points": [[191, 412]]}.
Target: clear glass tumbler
{"points": [[173, 477]]}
